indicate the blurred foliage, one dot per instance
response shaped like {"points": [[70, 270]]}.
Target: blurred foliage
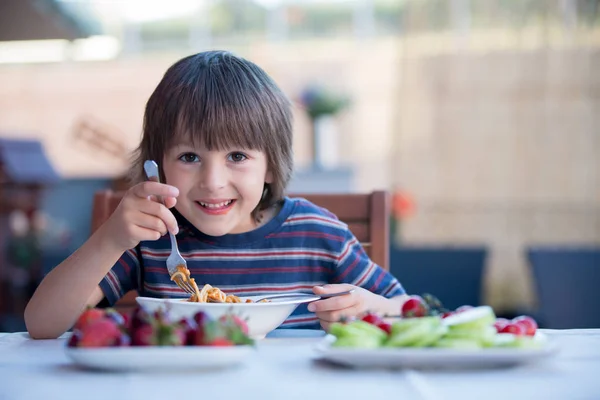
{"points": [[319, 101], [246, 19], [228, 16]]}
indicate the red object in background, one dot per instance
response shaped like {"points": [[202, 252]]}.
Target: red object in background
{"points": [[403, 205], [414, 307], [372, 318], [515, 329], [527, 323]]}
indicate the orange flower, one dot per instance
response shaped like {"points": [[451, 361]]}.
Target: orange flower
{"points": [[403, 205]]}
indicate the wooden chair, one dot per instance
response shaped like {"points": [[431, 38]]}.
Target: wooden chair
{"points": [[367, 215]]}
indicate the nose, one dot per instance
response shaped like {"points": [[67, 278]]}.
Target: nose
{"points": [[213, 176]]}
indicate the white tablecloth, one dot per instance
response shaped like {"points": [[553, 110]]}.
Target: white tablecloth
{"points": [[286, 367]]}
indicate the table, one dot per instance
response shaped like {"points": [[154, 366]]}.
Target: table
{"points": [[285, 366]]}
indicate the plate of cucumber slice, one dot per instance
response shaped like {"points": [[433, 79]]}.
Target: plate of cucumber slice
{"points": [[467, 340]]}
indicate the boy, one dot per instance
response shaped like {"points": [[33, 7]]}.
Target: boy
{"points": [[221, 132]]}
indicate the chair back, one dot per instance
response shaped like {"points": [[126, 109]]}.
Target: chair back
{"points": [[567, 281], [367, 215], [452, 274]]}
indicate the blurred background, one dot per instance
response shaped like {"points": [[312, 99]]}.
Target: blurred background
{"points": [[480, 117]]}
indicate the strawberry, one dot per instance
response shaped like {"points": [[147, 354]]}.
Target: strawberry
{"points": [[158, 331], [234, 329], [232, 320], [372, 318], [201, 318], [500, 324], [100, 333], [88, 316], [221, 342], [74, 339], [138, 318], [189, 327], [415, 306], [529, 324], [514, 328], [142, 336], [384, 326]]}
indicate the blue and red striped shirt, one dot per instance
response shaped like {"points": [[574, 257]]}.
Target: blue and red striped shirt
{"points": [[303, 246]]}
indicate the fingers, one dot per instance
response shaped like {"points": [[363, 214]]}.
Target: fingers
{"points": [[152, 223], [142, 233], [161, 216], [146, 189], [325, 325], [332, 288], [338, 315], [333, 303], [170, 202], [336, 308]]}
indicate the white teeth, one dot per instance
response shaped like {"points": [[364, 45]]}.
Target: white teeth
{"points": [[218, 205]]}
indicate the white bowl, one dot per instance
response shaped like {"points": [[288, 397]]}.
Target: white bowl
{"points": [[261, 318]]}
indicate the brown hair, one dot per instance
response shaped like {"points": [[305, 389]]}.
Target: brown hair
{"points": [[221, 101]]}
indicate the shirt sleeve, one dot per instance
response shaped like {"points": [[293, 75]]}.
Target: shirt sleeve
{"points": [[123, 277], [356, 268]]}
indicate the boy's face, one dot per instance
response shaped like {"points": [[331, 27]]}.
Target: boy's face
{"points": [[218, 190]]}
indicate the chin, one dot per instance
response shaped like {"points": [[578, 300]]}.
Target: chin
{"points": [[215, 232]]}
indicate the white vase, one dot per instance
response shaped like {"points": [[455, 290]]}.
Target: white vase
{"points": [[326, 147]]}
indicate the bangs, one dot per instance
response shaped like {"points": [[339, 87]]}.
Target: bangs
{"points": [[222, 104]]}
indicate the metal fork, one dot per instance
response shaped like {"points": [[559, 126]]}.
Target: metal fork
{"points": [[175, 259], [312, 297]]}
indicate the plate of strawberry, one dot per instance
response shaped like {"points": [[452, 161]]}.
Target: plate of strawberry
{"points": [[106, 339]]}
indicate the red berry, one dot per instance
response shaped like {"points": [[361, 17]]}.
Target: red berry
{"points": [[222, 342], [447, 314], [143, 335], [189, 327], [372, 318], [100, 333], [232, 320], [139, 317], [88, 316], [384, 326], [201, 318], [415, 306], [500, 324], [527, 323], [515, 329], [74, 339]]}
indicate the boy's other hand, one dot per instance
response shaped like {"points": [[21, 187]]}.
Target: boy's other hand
{"points": [[350, 305], [140, 216]]}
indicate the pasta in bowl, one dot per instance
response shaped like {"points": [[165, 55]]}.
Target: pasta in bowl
{"points": [[261, 316]]}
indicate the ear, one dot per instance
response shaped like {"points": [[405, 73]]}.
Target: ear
{"points": [[269, 177]]}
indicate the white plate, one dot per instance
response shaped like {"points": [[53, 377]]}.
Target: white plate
{"points": [[431, 358], [261, 318], [167, 358]]}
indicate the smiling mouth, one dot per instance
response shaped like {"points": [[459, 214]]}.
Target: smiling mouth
{"points": [[215, 206], [220, 208]]}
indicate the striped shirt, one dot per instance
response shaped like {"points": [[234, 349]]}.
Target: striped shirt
{"points": [[302, 246]]}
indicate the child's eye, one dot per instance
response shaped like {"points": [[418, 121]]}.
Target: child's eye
{"points": [[237, 157], [189, 158]]}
